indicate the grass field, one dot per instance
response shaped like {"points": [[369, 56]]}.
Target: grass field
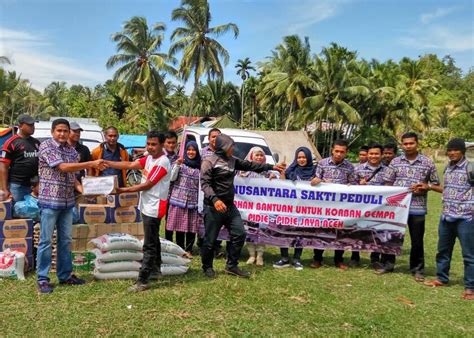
{"points": [[326, 302]]}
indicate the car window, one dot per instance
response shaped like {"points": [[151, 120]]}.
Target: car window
{"points": [[241, 149]]}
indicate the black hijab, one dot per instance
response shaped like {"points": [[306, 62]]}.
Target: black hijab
{"points": [[296, 172]]}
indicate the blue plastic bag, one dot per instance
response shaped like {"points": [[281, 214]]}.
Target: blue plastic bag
{"points": [[28, 208]]}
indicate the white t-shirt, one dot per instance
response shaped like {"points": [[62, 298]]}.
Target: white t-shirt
{"points": [[153, 202]]}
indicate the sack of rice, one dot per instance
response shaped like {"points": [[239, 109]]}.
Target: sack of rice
{"points": [[12, 264], [115, 275], [116, 266], [117, 255], [173, 270], [167, 258], [170, 247], [117, 241]]}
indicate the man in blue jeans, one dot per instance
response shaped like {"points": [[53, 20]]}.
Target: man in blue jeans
{"points": [[456, 219], [19, 160], [57, 182]]}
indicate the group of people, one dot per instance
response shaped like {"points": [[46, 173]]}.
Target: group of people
{"points": [[171, 185]]}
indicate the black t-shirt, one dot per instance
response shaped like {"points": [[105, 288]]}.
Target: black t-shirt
{"points": [[22, 156], [84, 156]]}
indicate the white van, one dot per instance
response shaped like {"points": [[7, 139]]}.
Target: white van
{"points": [[91, 137], [244, 141]]}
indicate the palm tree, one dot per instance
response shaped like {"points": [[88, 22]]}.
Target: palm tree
{"points": [[201, 52], [142, 68], [243, 70], [4, 59]]}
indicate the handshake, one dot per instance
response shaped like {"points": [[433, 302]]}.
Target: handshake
{"points": [[98, 164]]}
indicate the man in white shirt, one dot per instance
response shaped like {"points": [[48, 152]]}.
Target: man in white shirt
{"points": [[153, 201]]}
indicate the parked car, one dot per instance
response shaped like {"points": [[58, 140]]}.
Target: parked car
{"points": [[91, 137], [244, 141]]}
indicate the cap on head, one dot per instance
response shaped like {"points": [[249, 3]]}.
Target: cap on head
{"points": [[75, 126], [457, 144], [27, 119], [224, 142]]}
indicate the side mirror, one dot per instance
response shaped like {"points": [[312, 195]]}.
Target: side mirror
{"points": [[276, 157]]}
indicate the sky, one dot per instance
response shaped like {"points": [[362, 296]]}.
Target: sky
{"points": [[69, 40]]}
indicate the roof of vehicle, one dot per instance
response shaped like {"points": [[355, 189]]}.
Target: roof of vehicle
{"points": [[84, 125], [227, 131]]}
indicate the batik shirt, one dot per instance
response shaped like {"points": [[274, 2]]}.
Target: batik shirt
{"points": [[342, 173], [56, 188], [458, 197], [403, 173], [366, 171]]}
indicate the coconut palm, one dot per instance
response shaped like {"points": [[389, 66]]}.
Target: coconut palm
{"points": [[142, 66], [4, 59], [202, 53], [243, 70]]}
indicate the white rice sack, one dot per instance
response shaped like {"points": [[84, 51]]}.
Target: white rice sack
{"points": [[117, 255], [173, 270], [116, 266], [12, 264], [117, 241], [115, 275], [167, 258], [170, 247]]}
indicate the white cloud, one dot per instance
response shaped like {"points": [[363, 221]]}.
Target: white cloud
{"points": [[440, 38], [309, 12], [31, 57], [438, 13]]}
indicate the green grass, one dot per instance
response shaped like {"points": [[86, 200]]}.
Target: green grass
{"points": [[326, 302]]}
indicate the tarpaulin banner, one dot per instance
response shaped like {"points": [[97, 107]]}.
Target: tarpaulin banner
{"points": [[286, 213]]}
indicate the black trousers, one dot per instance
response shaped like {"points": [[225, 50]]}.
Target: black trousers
{"points": [[382, 258], [338, 256], [151, 248], [213, 222], [285, 253], [416, 226], [184, 239]]}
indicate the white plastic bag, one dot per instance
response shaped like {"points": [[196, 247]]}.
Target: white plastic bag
{"points": [[167, 258], [116, 266], [117, 255], [173, 270], [170, 247], [12, 264], [117, 241], [115, 275]]}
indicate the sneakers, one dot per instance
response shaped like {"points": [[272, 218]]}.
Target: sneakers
{"points": [[435, 283], [44, 287], [297, 265], [210, 273], [73, 280], [138, 287], [237, 272], [282, 263]]}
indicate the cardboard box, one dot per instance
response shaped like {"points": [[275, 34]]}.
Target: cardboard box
{"points": [[127, 199], [5, 210], [125, 215], [80, 230], [94, 213], [97, 230], [16, 228], [79, 244], [24, 245]]}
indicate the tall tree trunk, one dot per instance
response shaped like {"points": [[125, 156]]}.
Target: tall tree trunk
{"points": [[242, 88], [148, 115], [287, 124], [193, 95]]}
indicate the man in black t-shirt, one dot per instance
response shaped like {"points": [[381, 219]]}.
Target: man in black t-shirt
{"points": [[82, 150], [19, 160]]}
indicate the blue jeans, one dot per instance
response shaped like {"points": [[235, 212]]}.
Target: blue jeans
{"points": [[62, 220], [19, 191], [447, 232]]}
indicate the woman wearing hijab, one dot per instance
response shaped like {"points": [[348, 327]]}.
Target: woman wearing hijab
{"points": [[183, 215], [302, 169], [256, 154]]}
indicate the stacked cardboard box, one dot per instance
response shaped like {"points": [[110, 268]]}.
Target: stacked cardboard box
{"points": [[16, 234]]}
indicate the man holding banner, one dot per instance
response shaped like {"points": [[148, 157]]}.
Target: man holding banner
{"points": [[217, 181], [417, 172], [335, 169]]}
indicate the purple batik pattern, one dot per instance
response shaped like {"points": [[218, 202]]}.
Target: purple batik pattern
{"points": [[458, 198], [365, 171], [342, 173]]}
